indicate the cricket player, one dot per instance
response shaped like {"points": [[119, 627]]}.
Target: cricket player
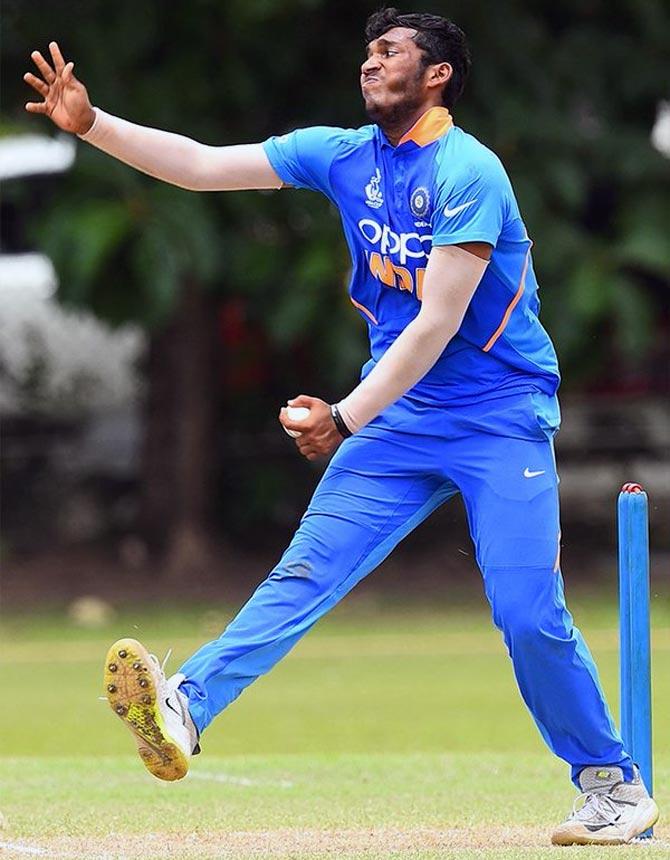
{"points": [[459, 396]]}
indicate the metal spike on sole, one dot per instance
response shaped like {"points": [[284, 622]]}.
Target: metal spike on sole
{"points": [[130, 681]]}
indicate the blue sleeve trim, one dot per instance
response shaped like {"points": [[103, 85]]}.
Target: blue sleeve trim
{"points": [[465, 236], [303, 158], [278, 163]]}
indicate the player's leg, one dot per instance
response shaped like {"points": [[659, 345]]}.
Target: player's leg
{"points": [[513, 509], [377, 488]]}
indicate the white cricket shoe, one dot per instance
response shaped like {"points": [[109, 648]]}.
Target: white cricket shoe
{"points": [[614, 812], [152, 707]]}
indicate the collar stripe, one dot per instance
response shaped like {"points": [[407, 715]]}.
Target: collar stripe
{"points": [[435, 122]]}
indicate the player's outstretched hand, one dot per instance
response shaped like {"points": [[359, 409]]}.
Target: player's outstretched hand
{"points": [[66, 101], [318, 434]]}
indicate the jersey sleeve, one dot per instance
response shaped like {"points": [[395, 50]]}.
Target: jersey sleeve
{"points": [[303, 157], [472, 202]]}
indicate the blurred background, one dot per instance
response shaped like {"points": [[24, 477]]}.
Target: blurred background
{"points": [[149, 335]]}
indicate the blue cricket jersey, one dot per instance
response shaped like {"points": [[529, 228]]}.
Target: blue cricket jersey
{"points": [[438, 186]]}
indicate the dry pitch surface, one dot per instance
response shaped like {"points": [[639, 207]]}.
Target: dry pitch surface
{"points": [[495, 842]]}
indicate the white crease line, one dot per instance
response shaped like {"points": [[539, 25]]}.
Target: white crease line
{"points": [[23, 849], [241, 780], [41, 852]]}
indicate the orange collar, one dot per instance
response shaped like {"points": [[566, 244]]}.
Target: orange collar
{"points": [[435, 122]]}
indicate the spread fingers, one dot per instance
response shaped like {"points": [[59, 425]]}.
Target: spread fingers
{"points": [[47, 72], [36, 83], [56, 56]]}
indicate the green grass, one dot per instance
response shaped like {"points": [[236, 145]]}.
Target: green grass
{"points": [[383, 734]]}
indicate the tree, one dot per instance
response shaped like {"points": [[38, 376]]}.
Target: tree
{"points": [[566, 95], [133, 249]]}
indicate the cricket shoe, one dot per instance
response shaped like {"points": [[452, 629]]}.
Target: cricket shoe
{"points": [[152, 707], [613, 812]]}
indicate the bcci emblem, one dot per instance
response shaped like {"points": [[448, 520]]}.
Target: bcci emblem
{"points": [[419, 202]]}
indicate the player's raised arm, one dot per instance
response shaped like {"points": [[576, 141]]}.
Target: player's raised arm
{"points": [[166, 156]]}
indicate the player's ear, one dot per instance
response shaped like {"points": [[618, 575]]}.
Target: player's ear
{"points": [[440, 74]]}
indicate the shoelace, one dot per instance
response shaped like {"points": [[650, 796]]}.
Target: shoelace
{"points": [[597, 804], [158, 663], [168, 686]]}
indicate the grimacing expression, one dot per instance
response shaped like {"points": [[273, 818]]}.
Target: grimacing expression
{"points": [[392, 76]]}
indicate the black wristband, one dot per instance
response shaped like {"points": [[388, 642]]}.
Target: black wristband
{"points": [[342, 428]]}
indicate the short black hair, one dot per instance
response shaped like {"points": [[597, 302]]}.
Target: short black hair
{"points": [[440, 40]]}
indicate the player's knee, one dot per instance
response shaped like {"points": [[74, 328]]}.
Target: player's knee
{"points": [[515, 621], [314, 558], [305, 570], [527, 626], [520, 618], [522, 631], [297, 568]]}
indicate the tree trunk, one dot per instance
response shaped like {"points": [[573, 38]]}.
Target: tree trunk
{"points": [[157, 514], [179, 443]]}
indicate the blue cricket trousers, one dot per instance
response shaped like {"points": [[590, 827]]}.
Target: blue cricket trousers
{"points": [[380, 485]]}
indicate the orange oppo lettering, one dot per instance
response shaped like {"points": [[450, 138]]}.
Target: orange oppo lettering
{"points": [[404, 279], [419, 283], [384, 270]]}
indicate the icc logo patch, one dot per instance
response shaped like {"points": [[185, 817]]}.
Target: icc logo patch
{"points": [[373, 193], [419, 202]]}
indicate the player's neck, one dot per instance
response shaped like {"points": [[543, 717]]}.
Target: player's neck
{"points": [[397, 123]]}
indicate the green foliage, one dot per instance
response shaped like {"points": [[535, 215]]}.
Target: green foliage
{"points": [[568, 102], [565, 93], [125, 254]]}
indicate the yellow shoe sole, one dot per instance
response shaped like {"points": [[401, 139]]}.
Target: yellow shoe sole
{"points": [[130, 687]]}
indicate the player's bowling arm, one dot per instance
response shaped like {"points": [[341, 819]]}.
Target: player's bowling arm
{"points": [[170, 157], [452, 276], [181, 161]]}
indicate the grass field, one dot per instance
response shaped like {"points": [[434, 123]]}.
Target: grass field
{"points": [[384, 734]]}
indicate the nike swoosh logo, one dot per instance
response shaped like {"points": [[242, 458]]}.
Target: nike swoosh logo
{"points": [[451, 212], [528, 474], [174, 710]]}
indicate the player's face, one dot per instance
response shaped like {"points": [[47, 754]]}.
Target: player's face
{"points": [[392, 76]]}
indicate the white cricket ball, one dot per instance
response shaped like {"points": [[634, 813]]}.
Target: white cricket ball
{"points": [[296, 413]]}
